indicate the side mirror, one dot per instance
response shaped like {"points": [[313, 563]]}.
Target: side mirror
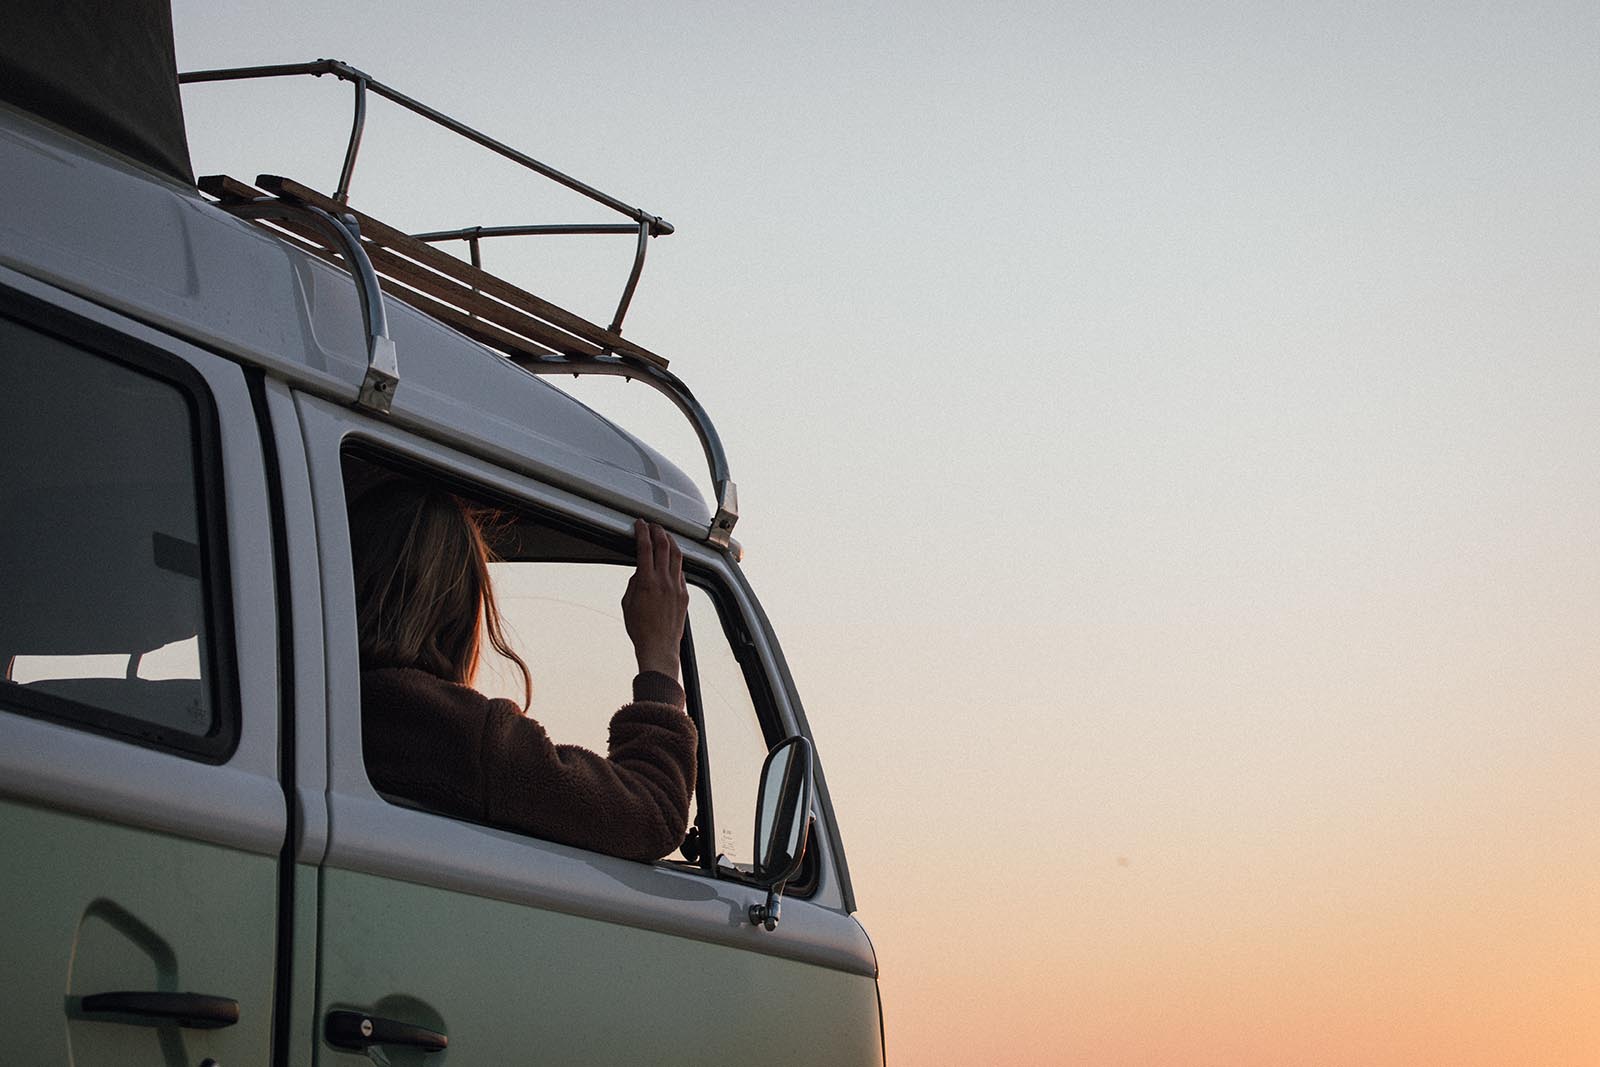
{"points": [[783, 820]]}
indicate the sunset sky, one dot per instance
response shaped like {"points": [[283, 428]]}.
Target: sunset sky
{"points": [[1167, 446]]}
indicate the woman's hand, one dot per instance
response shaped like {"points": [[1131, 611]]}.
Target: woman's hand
{"points": [[656, 600]]}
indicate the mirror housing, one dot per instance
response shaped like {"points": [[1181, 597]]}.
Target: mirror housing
{"points": [[783, 822]]}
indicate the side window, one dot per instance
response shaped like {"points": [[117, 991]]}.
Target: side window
{"points": [[109, 574], [559, 594], [734, 742], [564, 619]]}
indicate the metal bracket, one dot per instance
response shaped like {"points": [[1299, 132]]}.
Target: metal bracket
{"points": [[769, 914], [383, 370], [727, 514], [720, 531]]}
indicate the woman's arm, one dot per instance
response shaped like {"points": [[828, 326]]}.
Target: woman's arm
{"points": [[458, 752], [632, 802]]}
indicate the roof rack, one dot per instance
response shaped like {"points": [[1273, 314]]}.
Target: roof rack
{"points": [[533, 333], [645, 224]]}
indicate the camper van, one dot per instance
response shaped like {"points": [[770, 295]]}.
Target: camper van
{"points": [[196, 378]]}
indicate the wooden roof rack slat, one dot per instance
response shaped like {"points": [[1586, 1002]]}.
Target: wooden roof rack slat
{"points": [[225, 188], [513, 345], [475, 303]]}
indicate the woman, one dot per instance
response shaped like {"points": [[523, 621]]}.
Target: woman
{"points": [[423, 597]]}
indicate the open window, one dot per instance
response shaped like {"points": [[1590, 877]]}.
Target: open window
{"points": [[558, 585]]}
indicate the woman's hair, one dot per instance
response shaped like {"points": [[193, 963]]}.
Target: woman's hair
{"points": [[422, 582]]}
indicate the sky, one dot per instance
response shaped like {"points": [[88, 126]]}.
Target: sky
{"points": [[1166, 446]]}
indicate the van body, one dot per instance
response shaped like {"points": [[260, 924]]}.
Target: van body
{"points": [[184, 810]]}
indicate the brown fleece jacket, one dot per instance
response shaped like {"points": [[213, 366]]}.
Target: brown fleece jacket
{"points": [[453, 750]]}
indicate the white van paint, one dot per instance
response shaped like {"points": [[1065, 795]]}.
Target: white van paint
{"points": [[275, 875]]}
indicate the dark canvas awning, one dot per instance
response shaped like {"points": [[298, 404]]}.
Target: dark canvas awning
{"points": [[107, 72]]}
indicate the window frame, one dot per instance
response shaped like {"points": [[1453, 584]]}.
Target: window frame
{"points": [[219, 667], [381, 455], [371, 843], [740, 645], [747, 653]]}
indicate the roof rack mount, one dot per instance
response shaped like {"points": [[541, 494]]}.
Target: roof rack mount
{"points": [[534, 334]]}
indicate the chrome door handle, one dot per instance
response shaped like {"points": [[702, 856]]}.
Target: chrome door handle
{"points": [[356, 1030], [194, 1011]]}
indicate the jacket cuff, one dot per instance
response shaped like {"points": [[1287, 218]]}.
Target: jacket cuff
{"points": [[657, 688]]}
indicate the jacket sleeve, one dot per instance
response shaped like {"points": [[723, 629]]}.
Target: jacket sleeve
{"points": [[632, 802]]}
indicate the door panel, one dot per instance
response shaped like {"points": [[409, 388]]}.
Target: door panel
{"points": [[140, 811], [97, 908], [509, 983], [524, 951]]}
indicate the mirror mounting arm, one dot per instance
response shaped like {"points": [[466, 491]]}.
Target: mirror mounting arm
{"points": [[767, 915], [783, 807]]}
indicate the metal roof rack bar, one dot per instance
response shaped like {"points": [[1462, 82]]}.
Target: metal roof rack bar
{"points": [[671, 386], [648, 225], [658, 226], [474, 234]]}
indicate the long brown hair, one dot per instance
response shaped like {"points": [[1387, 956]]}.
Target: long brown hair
{"points": [[422, 582]]}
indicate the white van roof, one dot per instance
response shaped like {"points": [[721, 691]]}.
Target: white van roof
{"points": [[125, 237]]}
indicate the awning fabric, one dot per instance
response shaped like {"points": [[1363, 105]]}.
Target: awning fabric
{"points": [[107, 72]]}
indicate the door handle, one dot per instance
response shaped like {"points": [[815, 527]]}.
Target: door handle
{"points": [[356, 1030], [194, 1011]]}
